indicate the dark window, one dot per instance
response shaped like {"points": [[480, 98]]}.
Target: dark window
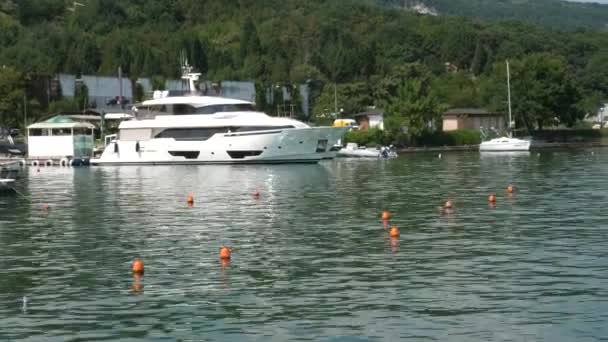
{"points": [[225, 108], [183, 109], [185, 154], [206, 133], [257, 128], [321, 146], [158, 108], [243, 154], [82, 131], [39, 132], [191, 133], [61, 131]]}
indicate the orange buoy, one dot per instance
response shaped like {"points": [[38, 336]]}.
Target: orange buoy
{"points": [[137, 266], [190, 199], [492, 198], [394, 232], [510, 189], [137, 286], [225, 253], [386, 215], [448, 204]]}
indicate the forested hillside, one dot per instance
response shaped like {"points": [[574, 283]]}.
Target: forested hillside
{"points": [[553, 13], [372, 52]]}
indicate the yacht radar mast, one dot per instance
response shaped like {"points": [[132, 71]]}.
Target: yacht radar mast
{"points": [[191, 77]]}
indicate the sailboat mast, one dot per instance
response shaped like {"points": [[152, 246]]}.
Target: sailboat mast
{"points": [[509, 96]]}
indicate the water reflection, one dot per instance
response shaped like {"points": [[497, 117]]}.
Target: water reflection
{"points": [[311, 258]]}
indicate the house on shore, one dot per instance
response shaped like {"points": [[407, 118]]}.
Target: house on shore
{"points": [[473, 119], [372, 118]]}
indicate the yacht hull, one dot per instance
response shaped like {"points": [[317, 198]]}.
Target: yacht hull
{"points": [[297, 145]]}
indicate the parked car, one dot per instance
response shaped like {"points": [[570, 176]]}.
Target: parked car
{"points": [[117, 100]]}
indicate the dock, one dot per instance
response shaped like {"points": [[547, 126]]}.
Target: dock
{"points": [[65, 162]]}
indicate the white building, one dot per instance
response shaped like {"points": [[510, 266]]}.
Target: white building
{"points": [[371, 119], [61, 137]]}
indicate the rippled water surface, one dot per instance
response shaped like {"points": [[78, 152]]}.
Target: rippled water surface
{"points": [[311, 258]]}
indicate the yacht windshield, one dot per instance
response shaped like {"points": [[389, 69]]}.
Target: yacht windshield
{"points": [[225, 108]]}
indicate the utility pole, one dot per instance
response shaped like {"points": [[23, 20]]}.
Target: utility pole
{"points": [[120, 86], [335, 99], [509, 97], [25, 108]]}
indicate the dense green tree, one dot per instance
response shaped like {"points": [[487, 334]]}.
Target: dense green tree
{"points": [[554, 13], [12, 88], [353, 43], [249, 40], [343, 101], [543, 91], [412, 108], [458, 90], [594, 76]]}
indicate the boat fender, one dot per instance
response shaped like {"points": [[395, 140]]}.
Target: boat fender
{"points": [[115, 147], [64, 162], [137, 147], [48, 163], [22, 163], [35, 163]]}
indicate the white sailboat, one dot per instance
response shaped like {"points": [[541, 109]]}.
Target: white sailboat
{"points": [[506, 143]]}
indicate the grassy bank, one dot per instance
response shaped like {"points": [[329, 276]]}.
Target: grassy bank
{"points": [[376, 137], [572, 135]]}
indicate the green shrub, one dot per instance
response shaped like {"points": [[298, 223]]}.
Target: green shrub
{"points": [[450, 138], [369, 137], [568, 135]]}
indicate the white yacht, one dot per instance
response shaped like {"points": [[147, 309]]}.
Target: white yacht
{"points": [[206, 129]]}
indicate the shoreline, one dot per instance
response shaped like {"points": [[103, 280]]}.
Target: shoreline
{"points": [[409, 150], [534, 146]]}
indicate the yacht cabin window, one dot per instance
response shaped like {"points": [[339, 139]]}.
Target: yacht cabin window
{"points": [[186, 109], [204, 133], [225, 108]]}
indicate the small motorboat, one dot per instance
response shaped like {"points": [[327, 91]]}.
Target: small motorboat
{"points": [[353, 150], [9, 172]]}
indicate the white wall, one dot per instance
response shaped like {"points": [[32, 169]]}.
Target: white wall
{"points": [[50, 146], [376, 121]]}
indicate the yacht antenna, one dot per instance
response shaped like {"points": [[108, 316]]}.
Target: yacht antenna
{"points": [[509, 99]]}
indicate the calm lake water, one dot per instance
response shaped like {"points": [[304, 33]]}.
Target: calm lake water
{"points": [[311, 259]]}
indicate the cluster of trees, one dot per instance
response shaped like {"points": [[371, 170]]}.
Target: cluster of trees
{"points": [[412, 66], [552, 13]]}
